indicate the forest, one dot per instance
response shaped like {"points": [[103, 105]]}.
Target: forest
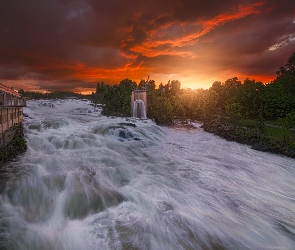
{"points": [[251, 112], [233, 99]]}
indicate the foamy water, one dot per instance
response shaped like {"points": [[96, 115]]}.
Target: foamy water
{"points": [[94, 182]]}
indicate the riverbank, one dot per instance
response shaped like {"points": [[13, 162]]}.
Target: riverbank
{"points": [[254, 136]]}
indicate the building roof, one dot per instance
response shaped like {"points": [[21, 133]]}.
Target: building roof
{"points": [[8, 90]]}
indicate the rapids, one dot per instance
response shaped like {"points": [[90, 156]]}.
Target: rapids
{"points": [[93, 182]]}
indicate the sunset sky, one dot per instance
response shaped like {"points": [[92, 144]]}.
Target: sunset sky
{"points": [[71, 45]]}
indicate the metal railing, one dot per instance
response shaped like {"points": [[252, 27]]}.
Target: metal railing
{"points": [[8, 90]]}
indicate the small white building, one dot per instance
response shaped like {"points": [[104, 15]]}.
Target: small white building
{"points": [[11, 113]]}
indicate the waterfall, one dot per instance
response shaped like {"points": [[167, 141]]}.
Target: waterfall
{"points": [[138, 104]]}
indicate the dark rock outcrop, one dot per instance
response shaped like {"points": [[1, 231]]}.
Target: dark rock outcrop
{"points": [[16, 146]]}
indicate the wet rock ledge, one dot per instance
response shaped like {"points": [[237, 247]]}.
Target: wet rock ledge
{"points": [[16, 146]]}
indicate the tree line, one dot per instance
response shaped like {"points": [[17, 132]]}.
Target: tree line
{"points": [[232, 98], [51, 95]]}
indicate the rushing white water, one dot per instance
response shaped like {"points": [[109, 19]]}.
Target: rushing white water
{"points": [[92, 182]]}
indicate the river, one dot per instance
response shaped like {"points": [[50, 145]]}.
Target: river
{"points": [[93, 182]]}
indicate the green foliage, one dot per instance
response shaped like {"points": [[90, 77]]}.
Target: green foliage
{"points": [[192, 104], [289, 67], [160, 108], [117, 98], [210, 103], [234, 111], [21, 92], [288, 121], [274, 102], [286, 78], [101, 91], [149, 85], [257, 124], [249, 96], [175, 87]]}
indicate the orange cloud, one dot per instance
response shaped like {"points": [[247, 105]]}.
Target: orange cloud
{"points": [[157, 37], [194, 42]]}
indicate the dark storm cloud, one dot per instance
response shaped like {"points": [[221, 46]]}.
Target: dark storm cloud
{"points": [[247, 42], [238, 43], [80, 41]]}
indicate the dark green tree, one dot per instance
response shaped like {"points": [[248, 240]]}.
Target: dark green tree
{"points": [[274, 101], [249, 97], [286, 78], [117, 98]]}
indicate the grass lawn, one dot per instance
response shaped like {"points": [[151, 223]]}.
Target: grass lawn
{"points": [[280, 134], [274, 131], [274, 122]]}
